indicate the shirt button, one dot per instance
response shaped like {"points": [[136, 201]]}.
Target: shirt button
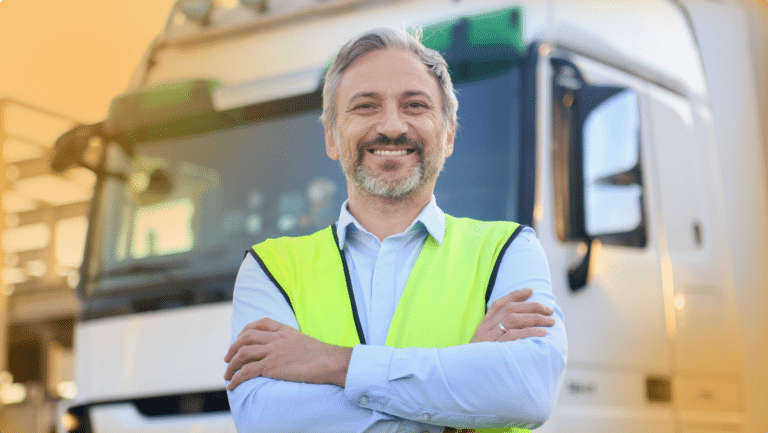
{"points": [[364, 400], [426, 417]]}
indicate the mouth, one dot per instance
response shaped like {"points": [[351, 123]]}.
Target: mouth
{"points": [[391, 152], [387, 147]]}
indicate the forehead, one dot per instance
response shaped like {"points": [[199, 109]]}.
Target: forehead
{"points": [[387, 72]]}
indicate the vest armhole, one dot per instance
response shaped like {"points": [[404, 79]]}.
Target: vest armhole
{"points": [[355, 315], [271, 278], [492, 280]]}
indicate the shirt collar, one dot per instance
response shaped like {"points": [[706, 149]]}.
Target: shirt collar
{"points": [[431, 217]]}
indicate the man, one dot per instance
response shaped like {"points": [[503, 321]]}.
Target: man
{"points": [[379, 323]]}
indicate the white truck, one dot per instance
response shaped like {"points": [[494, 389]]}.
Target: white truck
{"points": [[630, 135]]}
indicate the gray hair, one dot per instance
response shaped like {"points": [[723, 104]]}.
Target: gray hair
{"points": [[387, 38]]}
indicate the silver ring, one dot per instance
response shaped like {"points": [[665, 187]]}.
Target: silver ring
{"points": [[503, 329]]}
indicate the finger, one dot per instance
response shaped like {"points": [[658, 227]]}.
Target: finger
{"points": [[520, 321], [502, 332], [264, 324], [510, 309], [236, 364], [247, 338], [246, 373], [244, 356], [526, 307], [516, 296], [490, 323], [518, 334]]}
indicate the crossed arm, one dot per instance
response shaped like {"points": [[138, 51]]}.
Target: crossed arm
{"points": [[283, 380], [268, 348]]}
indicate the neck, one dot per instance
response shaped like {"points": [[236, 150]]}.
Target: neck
{"points": [[386, 217]]}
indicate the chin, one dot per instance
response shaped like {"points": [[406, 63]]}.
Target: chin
{"points": [[379, 186]]}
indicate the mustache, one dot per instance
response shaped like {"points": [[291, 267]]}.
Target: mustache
{"points": [[383, 140]]}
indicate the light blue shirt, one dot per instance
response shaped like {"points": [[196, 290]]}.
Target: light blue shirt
{"points": [[413, 389]]}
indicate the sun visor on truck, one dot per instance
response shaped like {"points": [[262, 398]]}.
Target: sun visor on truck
{"points": [[475, 47], [479, 46], [164, 110]]}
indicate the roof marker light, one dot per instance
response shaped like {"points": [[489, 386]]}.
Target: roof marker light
{"points": [[198, 11], [260, 6]]}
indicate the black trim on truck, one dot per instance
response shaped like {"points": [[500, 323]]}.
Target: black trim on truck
{"points": [[147, 297], [527, 161], [167, 405]]}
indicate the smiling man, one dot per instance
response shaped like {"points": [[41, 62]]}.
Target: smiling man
{"points": [[398, 318], [395, 135]]}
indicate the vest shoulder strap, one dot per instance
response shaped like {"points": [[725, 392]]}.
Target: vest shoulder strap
{"points": [[311, 273]]}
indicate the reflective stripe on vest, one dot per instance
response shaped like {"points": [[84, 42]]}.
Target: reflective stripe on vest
{"points": [[443, 301]]}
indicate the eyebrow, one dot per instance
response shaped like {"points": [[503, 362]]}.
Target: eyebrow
{"points": [[362, 95], [407, 94], [417, 93]]}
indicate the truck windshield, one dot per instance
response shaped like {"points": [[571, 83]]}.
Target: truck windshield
{"points": [[192, 206]]}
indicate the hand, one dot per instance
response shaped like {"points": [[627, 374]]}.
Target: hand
{"points": [[268, 348], [521, 319]]}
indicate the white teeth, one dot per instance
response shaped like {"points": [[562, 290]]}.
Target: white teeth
{"points": [[390, 152]]}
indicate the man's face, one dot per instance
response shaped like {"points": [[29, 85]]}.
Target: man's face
{"points": [[390, 132]]}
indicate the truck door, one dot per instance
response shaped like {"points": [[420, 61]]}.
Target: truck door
{"points": [[707, 380], [597, 219]]}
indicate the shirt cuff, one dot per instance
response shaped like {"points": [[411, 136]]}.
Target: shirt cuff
{"points": [[368, 375]]}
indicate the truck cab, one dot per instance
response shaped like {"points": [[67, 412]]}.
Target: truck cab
{"points": [[607, 127]]}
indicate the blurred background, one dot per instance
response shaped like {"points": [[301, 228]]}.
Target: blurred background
{"points": [[61, 63]]}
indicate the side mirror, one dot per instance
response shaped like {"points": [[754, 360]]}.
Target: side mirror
{"points": [[599, 193], [70, 148]]}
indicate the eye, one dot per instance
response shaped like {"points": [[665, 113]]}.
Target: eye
{"points": [[416, 107], [363, 106]]}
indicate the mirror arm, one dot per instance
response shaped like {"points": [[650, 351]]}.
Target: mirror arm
{"points": [[578, 274], [108, 174], [105, 174], [71, 147]]}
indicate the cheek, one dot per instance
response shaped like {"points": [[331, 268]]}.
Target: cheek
{"points": [[348, 152], [430, 132], [354, 131]]}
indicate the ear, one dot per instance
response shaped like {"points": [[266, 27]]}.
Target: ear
{"points": [[449, 137], [331, 147]]}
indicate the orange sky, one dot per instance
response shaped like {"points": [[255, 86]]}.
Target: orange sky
{"points": [[74, 56]]}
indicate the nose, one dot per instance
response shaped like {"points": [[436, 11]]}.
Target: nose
{"points": [[392, 124]]}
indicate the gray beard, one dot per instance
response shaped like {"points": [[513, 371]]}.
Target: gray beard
{"points": [[395, 189], [427, 169]]}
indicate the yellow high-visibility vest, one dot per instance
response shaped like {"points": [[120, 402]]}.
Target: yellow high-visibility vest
{"points": [[442, 304]]}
